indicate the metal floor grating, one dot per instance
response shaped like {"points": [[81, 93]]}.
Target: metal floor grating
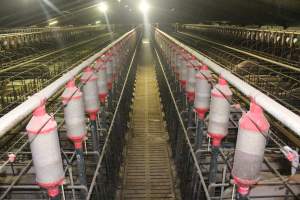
{"points": [[148, 173]]}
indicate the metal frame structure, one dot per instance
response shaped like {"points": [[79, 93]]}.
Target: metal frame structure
{"points": [[275, 41], [106, 136], [286, 116], [16, 38], [22, 80], [277, 79], [102, 165], [194, 171]]}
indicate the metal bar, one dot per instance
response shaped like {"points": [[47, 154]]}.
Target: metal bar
{"points": [[81, 166], [287, 185], [213, 168], [37, 187], [24, 170], [95, 139], [241, 28]]}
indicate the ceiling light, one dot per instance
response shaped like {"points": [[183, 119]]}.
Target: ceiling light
{"points": [[144, 6], [103, 7], [51, 23]]}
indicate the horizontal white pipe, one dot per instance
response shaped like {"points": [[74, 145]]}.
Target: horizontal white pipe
{"points": [[281, 113], [12, 118]]}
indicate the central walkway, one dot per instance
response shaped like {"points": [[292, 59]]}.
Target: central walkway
{"points": [[148, 173]]}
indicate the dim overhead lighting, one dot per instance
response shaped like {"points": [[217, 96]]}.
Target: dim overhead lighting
{"points": [[144, 6], [103, 7], [145, 41], [53, 23]]}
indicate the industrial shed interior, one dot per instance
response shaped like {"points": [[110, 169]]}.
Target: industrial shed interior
{"points": [[149, 99]]}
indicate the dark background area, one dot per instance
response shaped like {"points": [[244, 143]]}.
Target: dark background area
{"points": [[79, 12]]}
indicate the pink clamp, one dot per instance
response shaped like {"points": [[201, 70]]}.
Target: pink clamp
{"points": [[12, 157], [292, 156], [41, 109], [204, 67], [70, 83], [222, 81], [289, 153], [88, 69]]}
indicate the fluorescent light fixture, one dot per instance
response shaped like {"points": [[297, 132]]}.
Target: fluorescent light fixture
{"points": [[103, 7], [97, 22], [144, 6], [51, 23], [145, 41]]}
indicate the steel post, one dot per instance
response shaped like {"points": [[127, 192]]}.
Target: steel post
{"points": [[190, 114], [213, 168], [95, 138], [199, 137], [81, 169]]}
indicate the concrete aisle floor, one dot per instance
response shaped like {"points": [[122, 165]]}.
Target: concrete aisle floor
{"points": [[148, 172]]}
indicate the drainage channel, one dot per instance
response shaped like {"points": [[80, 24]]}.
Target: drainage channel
{"points": [[148, 171]]}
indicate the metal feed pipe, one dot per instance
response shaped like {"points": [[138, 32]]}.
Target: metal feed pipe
{"points": [[281, 113], [12, 118]]}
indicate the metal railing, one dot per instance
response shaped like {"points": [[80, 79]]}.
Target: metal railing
{"points": [[107, 161], [105, 180], [281, 113], [275, 42], [194, 171], [12, 118], [192, 182]]}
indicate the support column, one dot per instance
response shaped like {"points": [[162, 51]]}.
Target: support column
{"points": [[81, 166], [213, 168], [199, 137]]}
